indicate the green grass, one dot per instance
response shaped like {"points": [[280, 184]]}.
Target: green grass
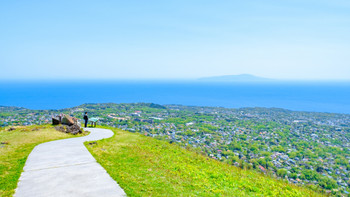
{"points": [[18, 144], [144, 166]]}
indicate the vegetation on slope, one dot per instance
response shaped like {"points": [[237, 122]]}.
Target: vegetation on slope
{"points": [[14, 149], [145, 166]]}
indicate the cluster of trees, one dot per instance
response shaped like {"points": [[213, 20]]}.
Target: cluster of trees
{"points": [[249, 137]]}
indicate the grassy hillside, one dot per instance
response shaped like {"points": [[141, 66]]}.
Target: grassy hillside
{"points": [[144, 166], [14, 149]]}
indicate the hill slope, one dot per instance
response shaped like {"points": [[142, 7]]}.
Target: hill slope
{"points": [[15, 147], [144, 166]]}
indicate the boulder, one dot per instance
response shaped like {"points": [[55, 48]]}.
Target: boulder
{"points": [[61, 128], [74, 129], [67, 120], [55, 121]]}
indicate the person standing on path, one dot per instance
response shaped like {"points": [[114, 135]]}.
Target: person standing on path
{"points": [[86, 118]]}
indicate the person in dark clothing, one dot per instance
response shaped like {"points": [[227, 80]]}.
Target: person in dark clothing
{"points": [[86, 118]]}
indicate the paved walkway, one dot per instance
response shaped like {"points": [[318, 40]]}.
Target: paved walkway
{"points": [[66, 168]]}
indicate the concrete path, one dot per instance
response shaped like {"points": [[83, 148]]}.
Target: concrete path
{"points": [[66, 168]]}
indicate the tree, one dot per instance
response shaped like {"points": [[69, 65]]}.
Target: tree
{"points": [[328, 183], [292, 155], [282, 172], [310, 174], [319, 169], [262, 162], [293, 175]]}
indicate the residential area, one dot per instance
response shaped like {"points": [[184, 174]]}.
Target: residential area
{"points": [[304, 148]]}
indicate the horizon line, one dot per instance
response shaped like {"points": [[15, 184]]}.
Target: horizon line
{"points": [[201, 79]]}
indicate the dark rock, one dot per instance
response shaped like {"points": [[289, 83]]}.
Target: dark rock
{"points": [[2, 144], [61, 128], [74, 129], [11, 129], [55, 121], [92, 143]]}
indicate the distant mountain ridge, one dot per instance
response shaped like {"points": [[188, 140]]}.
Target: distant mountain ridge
{"points": [[235, 78]]}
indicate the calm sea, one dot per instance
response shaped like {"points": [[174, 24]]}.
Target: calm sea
{"points": [[320, 97]]}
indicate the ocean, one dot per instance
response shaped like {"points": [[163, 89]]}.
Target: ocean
{"points": [[314, 97]]}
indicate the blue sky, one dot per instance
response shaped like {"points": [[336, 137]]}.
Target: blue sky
{"points": [[289, 39]]}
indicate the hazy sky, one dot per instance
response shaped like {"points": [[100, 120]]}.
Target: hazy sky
{"points": [[288, 39]]}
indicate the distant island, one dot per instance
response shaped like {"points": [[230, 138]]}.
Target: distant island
{"points": [[236, 78]]}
